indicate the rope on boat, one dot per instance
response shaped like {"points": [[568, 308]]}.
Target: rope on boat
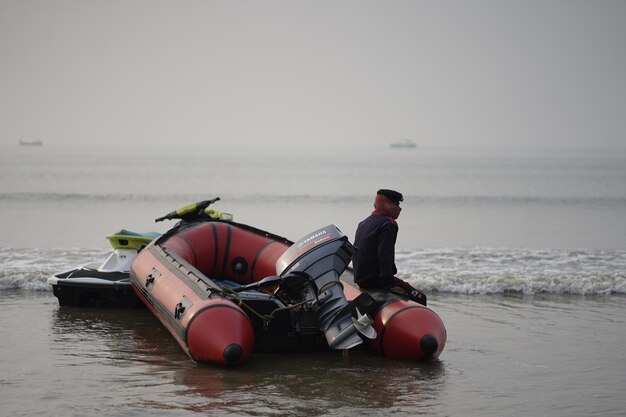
{"points": [[266, 318], [329, 284]]}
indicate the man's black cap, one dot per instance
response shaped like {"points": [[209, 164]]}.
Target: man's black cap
{"points": [[393, 196]]}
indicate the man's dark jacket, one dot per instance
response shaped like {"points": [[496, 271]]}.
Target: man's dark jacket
{"points": [[374, 262]]}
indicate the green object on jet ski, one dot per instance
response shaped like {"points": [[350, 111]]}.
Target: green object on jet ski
{"points": [[195, 211], [219, 215], [125, 239]]}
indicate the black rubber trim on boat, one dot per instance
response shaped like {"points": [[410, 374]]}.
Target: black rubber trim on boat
{"points": [[256, 258], [216, 241], [384, 329], [429, 344], [232, 353], [193, 251], [260, 232], [197, 313], [229, 233], [182, 225]]}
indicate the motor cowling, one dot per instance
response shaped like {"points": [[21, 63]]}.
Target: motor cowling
{"points": [[311, 268]]}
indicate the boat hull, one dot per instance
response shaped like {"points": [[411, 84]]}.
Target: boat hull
{"points": [[189, 277], [405, 330], [209, 330]]}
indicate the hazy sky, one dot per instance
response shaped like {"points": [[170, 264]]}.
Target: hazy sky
{"points": [[450, 73]]}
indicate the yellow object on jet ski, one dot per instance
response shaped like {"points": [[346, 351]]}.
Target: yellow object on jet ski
{"points": [[126, 239]]}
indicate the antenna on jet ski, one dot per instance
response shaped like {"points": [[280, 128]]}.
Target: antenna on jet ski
{"points": [[189, 211]]}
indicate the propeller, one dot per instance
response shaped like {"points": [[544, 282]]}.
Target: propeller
{"points": [[363, 324]]}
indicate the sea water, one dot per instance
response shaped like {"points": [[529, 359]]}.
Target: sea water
{"points": [[522, 254]]}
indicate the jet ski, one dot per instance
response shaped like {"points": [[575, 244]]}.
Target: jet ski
{"points": [[105, 284]]}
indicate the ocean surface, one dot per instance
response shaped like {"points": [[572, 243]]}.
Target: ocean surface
{"points": [[521, 252]]}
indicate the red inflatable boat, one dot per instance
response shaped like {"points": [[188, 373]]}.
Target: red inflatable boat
{"points": [[225, 290]]}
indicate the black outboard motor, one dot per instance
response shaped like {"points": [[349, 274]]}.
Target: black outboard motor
{"points": [[312, 267]]}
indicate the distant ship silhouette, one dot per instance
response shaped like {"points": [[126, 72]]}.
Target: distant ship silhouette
{"points": [[404, 143], [30, 143]]}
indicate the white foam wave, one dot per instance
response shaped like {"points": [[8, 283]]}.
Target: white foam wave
{"points": [[526, 271], [453, 270], [30, 269]]}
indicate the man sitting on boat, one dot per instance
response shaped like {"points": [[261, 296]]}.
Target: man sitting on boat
{"points": [[374, 263]]}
